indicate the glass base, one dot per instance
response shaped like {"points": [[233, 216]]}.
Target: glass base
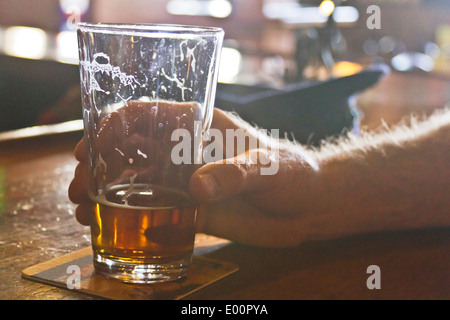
{"points": [[139, 273]]}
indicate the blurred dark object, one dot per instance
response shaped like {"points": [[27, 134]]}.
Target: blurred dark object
{"points": [[307, 112], [66, 108], [36, 93], [27, 87]]}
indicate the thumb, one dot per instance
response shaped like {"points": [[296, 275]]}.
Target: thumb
{"points": [[223, 179]]}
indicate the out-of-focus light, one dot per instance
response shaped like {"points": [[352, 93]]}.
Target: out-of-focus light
{"points": [[220, 8], [294, 13], [180, 7], [424, 62], [402, 62], [67, 47], [370, 47], [25, 42], [346, 14], [432, 49], [346, 68], [387, 44], [278, 10], [230, 64], [411, 60], [68, 6], [326, 8], [211, 8]]}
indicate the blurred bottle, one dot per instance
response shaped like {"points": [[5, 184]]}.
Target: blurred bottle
{"points": [[317, 50], [442, 63]]}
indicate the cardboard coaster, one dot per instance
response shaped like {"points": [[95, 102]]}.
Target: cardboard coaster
{"points": [[59, 272]]}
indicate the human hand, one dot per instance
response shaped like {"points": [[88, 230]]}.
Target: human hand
{"points": [[236, 201], [125, 146]]}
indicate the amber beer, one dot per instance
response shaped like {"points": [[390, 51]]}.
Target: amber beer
{"points": [[141, 85], [144, 225]]}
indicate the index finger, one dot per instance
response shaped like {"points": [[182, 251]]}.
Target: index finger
{"points": [[80, 151]]}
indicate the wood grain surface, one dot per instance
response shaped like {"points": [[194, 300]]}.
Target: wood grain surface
{"points": [[37, 223]]}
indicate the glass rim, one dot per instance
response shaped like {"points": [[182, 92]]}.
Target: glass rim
{"points": [[149, 29]]}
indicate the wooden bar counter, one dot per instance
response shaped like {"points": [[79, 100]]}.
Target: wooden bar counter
{"points": [[37, 223]]}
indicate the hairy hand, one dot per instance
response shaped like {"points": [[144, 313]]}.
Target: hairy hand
{"points": [[237, 202]]}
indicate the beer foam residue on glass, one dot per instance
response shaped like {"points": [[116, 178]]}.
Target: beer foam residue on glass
{"points": [[101, 63], [190, 52], [178, 82], [95, 66]]}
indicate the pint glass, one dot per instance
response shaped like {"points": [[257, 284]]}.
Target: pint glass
{"points": [[143, 88]]}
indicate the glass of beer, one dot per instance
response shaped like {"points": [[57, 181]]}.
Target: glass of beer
{"points": [[147, 98]]}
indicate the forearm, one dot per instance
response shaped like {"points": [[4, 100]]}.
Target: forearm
{"points": [[390, 181], [396, 180]]}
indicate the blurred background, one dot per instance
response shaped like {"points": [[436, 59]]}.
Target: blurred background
{"points": [[267, 43]]}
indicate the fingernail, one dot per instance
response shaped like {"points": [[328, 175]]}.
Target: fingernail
{"points": [[210, 185]]}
